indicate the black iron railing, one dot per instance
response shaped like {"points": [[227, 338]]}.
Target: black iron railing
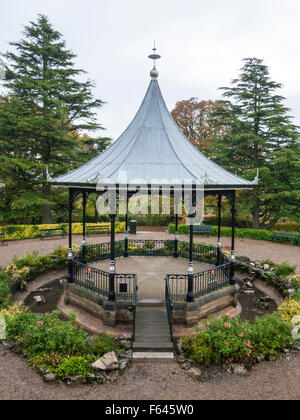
{"points": [[165, 248], [134, 306], [91, 278], [169, 306], [97, 281], [211, 280], [203, 283], [151, 248]]}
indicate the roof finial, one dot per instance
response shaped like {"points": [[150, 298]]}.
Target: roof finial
{"points": [[154, 57]]}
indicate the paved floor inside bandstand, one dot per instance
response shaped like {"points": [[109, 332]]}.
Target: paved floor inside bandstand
{"points": [[151, 273]]}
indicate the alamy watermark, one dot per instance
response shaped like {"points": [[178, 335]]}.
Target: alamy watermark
{"points": [[157, 197], [2, 69]]}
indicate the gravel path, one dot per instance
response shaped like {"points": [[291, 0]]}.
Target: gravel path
{"points": [[156, 381], [256, 250]]}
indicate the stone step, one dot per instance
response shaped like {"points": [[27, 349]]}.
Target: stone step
{"points": [[155, 347], [153, 357], [152, 333]]}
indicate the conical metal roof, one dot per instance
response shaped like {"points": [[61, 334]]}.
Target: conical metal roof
{"points": [[154, 150]]}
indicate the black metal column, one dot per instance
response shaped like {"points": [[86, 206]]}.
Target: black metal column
{"points": [[219, 229], [126, 231], [232, 261], [176, 232], [84, 202], [112, 271], [70, 252], [190, 294]]}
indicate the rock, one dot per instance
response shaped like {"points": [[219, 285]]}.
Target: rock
{"points": [[295, 332], [91, 339], [186, 365], [50, 377], [179, 347], [248, 292], [108, 362], [123, 364], [92, 378], [111, 376], [291, 291], [239, 370], [260, 358], [40, 300], [181, 359], [9, 344], [296, 320], [266, 267], [125, 344], [101, 378], [77, 380], [252, 264], [249, 284], [263, 305], [265, 299], [257, 264], [44, 290], [195, 373]]}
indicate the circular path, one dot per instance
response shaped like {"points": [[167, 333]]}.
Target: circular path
{"points": [[254, 249], [157, 381]]}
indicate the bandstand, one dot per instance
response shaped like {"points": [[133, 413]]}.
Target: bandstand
{"points": [[152, 155]]}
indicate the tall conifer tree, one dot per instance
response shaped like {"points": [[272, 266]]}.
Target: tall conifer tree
{"points": [[260, 136], [40, 119]]}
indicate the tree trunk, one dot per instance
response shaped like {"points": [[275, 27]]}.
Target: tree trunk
{"points": [[255, 212], [47, 218]]}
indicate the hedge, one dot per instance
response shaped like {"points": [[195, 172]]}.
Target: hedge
{"points": [[264, 235], [18, 232]]}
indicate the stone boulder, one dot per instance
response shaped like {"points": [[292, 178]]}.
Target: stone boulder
{"points": [[108, 362], [296, 320], [239, 370], [195, 373], [50, 377]]}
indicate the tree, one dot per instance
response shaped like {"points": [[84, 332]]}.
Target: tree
{"points": [[193, 117], [260, 136], [42, 116]]}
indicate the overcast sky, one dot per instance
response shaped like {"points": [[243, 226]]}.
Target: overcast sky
{"points": [[201, 42]]}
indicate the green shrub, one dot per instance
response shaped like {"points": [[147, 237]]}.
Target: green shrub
{"points": [[20, 232], [283, 270], [271, 335], [230, 340], [289, 308], [38, 334], [259, 234], [5, 295], [102, 344], [198, 349], [45, 361], [75, 365]]}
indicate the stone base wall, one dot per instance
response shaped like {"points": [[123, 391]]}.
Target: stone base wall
{"points": [[191, 313], [110, 313], [84, 299]]}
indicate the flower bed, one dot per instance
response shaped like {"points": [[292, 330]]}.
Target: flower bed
{"points": [[26, 269], [228, 340], [18, 232], [59, 350]]}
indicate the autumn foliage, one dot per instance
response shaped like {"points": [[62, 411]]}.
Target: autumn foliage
{"points": [[194, 119]]}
